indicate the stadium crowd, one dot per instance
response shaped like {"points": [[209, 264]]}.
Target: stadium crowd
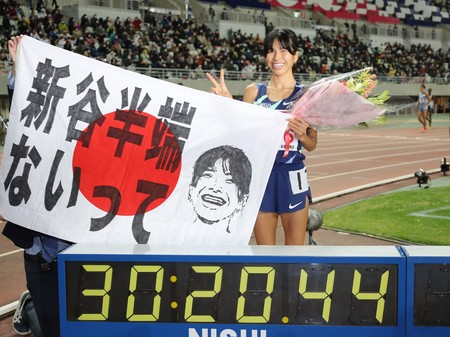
{"points": [[443, 5], [176, 43]]}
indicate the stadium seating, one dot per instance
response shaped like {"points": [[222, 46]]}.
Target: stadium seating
{"points": [[189, 47]]}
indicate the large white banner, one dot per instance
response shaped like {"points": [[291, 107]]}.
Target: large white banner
{"points": [[95, 153]]}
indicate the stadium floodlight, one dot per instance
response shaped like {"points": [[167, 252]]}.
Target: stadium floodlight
{"points": [[422, 178], [445, 166]]}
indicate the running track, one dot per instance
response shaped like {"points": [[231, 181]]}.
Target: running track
{"points": [[345, 160], [349, 159]]}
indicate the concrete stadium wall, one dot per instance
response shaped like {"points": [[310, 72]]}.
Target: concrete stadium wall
{"points": [[248, 28]]}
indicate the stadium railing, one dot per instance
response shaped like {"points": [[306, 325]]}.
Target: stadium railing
{"points": [[231, 75], [168, 73]]}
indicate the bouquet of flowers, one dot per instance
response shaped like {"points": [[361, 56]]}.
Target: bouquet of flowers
{"points": [[340, 101]]}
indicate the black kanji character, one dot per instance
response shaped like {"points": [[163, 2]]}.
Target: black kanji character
{"points": [[93, 117], [155, 191], [75, 187], [181, 113], [179, 119], [51, 198], [113, 194], [129, 118], [19, 189], [164, 146], [45, 100]]}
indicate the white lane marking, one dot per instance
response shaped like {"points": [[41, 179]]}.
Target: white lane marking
{"points": [[429, 213], [370, 158], [373, 168], [11, 252]]}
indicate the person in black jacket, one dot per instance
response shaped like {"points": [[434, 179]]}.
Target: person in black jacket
{"points": [[40, 252]]}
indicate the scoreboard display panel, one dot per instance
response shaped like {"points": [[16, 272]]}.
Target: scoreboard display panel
{"points": [[118, 290], [428, 291]]}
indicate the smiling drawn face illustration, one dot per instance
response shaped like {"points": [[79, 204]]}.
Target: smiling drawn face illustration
{"points": [[220, 184]]}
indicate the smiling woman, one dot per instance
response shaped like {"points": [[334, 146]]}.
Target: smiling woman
{"points": [[287, 193]]}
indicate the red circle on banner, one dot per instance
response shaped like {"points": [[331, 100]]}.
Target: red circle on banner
{"points": [[140, 160]]}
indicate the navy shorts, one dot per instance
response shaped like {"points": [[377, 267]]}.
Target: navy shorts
{"points": [[287, 189]]}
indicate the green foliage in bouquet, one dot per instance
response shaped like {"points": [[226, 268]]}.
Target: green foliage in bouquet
{"points": [[363, 83]]}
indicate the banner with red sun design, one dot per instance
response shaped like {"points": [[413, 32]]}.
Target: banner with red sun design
{"points": [[95, 153]]}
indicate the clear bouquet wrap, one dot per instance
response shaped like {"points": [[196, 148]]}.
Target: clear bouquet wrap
{"points": [[340, 101]]}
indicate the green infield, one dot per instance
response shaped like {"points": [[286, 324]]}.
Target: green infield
{"points": [[420, 216]]}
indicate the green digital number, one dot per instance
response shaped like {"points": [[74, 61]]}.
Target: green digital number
{"points": [[156, 306], [108, 271], [240, 313], [318, 295], [372, 296], [218, 273]]}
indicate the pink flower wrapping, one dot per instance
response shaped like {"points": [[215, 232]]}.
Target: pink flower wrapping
{"points": [[331, 103]]}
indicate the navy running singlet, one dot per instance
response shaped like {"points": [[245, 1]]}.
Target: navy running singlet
{"points": [[262, 99]]}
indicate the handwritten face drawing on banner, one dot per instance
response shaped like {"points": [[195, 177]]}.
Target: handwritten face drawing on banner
{"points": [[95, 153], [220, 185]]}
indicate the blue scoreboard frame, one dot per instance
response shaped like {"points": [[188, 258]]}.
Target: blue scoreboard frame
{"points": [[247, 291], [428, 291]]}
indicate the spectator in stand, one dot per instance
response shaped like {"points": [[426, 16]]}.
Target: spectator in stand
{"points": [[11, 10], [42, 14], [62, 26], [137, 23], [144, 58], [211, 12], [354, 27], [248, 72], [7, 27], [23, 27], [224, 14], [262, 18], [3, 7], [40, 5], [395, 30], [4, 63]]}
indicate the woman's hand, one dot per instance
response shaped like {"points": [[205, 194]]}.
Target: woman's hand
{"points": [[298, 126], [307, 135], [219, 88], [12, 46]]}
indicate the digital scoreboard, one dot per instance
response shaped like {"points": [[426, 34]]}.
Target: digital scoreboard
{"points": [[242, 291], [428, 291]]}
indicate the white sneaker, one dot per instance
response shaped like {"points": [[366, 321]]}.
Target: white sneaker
{"points": [[18, 324]]}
